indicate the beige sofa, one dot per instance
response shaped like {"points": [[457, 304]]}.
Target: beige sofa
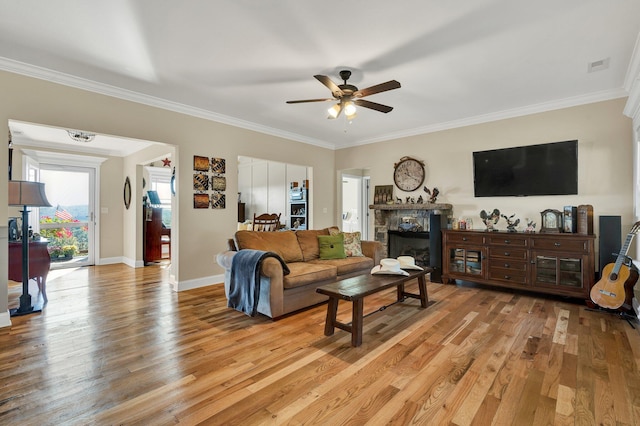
{"points": [[281, 294]]}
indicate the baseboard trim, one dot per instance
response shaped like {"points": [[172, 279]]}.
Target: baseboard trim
{"points": [[198, 282], [129, 262], [5, 319], [110, 260]]}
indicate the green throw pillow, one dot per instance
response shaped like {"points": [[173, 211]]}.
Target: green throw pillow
{"points": [[331, 246]]}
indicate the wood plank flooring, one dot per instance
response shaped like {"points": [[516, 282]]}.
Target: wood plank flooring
{"points": [[116, 345]]}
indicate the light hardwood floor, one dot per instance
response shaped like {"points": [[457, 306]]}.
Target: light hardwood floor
{"points": [[116, 345]]}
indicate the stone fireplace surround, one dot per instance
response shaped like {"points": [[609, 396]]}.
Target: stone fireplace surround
{"points": [[389, 216]]}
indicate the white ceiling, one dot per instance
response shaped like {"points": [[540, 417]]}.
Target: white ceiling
{"points": [[237, 62]]}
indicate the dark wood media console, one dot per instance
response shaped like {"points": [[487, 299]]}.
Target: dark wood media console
{"points": [[560, 264]]}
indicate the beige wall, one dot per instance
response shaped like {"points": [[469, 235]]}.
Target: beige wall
{"points": [[202, 233], [605, 161]]}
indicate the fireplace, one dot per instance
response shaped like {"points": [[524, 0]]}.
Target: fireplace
{"points": [[424, 247], [415, 244], [431, 217]]}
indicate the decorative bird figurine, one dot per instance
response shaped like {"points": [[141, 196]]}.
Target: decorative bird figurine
{"points": [[490, 219], [433, 194], [511, 224], [531, 226]]}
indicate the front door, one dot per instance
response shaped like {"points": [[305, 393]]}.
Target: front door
{"points": [[69, 224]]}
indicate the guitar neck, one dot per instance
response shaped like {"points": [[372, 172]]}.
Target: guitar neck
{"points": [[623, 253]]}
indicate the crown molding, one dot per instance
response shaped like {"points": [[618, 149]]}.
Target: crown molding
{"points": [[128, 95], [632, 109], [632, 85], [605, 95]]}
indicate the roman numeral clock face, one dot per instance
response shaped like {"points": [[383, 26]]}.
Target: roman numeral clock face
{"points": [[408, 174]]}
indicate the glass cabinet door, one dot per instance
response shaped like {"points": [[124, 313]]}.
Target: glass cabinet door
{"points": [[570, 272], [465, 261], [558, 271], [546, 269]]}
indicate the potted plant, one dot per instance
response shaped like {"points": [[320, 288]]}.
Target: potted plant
{"points": [[69, 251], [55, 252]]}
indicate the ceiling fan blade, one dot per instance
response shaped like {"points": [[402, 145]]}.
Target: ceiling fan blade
{"points": [[382, 87], [373, 105], [335, 90], [310, 100]]}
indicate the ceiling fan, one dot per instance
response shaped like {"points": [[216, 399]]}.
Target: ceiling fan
{"points": [[348, 96]]}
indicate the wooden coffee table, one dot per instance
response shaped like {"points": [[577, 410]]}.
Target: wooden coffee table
{"points": [[357, 288]]}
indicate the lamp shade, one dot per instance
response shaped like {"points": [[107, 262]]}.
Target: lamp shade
{"points": [[25, 193]]}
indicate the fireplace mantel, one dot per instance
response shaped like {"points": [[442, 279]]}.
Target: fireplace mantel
{"points": [[412, 206]]}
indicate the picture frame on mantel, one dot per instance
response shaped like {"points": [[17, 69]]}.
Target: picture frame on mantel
{"points": [[383, 194]]}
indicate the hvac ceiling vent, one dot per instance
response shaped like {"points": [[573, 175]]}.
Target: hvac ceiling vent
{"points": [[600, 65]]}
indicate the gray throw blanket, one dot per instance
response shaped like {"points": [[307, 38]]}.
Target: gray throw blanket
{"points": [[244, 281]]}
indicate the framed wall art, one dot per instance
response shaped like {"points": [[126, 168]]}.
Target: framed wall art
{"points": [[200, 201], [219, 183], [200, 182], [218, 200], [209, 176], [218, 165], [200, 164]]}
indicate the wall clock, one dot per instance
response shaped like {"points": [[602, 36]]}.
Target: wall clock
{"points": [[408, 174]]}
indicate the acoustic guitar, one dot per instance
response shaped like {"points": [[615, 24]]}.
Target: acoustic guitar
{"points": [[615, 288]]}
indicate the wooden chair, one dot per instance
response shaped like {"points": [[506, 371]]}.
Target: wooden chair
{"points": [[266, 222]]}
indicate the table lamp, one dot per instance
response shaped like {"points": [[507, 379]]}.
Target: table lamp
{"points": [[26, 194]]}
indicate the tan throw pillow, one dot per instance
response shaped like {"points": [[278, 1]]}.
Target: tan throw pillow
{"points": [[308, 240], [352, 242], [284, 243]]}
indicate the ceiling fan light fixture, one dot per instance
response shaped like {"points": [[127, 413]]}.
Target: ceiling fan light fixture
{"points": [[346, 93], [334, 111], [349, 110]]}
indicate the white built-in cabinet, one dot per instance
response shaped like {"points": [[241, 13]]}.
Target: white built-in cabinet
{"points": [[264, 185]]}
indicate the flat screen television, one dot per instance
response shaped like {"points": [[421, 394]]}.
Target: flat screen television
{"points": [[545, 169]]}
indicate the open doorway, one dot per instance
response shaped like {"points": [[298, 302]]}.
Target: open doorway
{"points": [[115, 218], [355, 203], [265, 186], [158, 211]]}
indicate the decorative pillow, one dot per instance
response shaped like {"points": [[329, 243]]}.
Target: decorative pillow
{"points": [[352, 242], [331, 246]]}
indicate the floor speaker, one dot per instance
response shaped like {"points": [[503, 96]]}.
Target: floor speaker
{"points": [[610, 240], [437, 223]]}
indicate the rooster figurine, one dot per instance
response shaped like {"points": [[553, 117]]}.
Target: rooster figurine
{"points": [[433, 195]]}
